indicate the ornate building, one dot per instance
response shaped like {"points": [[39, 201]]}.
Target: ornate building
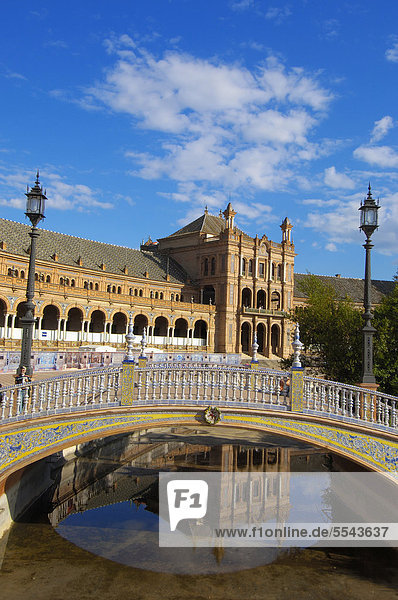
{"points": [[208, 286]]}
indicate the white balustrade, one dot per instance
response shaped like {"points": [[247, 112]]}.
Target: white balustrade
{"points": [[197, 385]]}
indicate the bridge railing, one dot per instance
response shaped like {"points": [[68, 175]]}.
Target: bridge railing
{"points": [[349, 402], [209, 385], [196, 385], [80, 391]]}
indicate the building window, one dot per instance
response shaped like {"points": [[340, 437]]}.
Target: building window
{"points": [[213, 266], [261, 269], [206, 267], [250, 267], [243, 272]]}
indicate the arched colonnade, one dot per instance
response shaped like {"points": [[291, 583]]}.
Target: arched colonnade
{"points": [[268, 336], [55, 322]]}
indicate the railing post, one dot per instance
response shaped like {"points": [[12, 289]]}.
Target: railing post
{"points": [[297, 376], [127, 383]]}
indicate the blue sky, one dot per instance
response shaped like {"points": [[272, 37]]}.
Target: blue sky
{"points": [[139, 114]]}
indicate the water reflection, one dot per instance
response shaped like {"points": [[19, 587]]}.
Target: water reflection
{"points": [[107, 501]]}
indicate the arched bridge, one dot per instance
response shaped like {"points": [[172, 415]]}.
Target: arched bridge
{"points": [[46, 416]]}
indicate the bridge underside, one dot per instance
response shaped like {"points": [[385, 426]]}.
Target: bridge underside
{"points": [[22, 444]]}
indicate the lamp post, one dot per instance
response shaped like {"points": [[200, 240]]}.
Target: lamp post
{"points": [[368, 224], [35, 212]]}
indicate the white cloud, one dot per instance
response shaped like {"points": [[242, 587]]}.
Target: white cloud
{"points": [[340, 225], [381, 156], [331, 247], [381, 128], [392, 53], [320, 202], [60, 194], [337, 180], [220, 126], [278, 14]]}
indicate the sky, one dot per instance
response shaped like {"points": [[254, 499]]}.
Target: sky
{"points": [[141, 113]]}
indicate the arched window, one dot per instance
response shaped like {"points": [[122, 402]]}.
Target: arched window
{"points": [[48, 279], [182, 298], [213, 266], [206, 267], [161, 295], [108, 288], [22, 275], [119, 289], [273, 271], [172, 297], [113, 289], [151, 295], [96, 287], [156, 295], [36, 274], [72, 283], [279, 273], [86, 285], [177, 297], [250, 267], [91, 285], [141, 293], [243, 272]]}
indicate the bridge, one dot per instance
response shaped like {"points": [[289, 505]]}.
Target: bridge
{"points": [[46, 416]]}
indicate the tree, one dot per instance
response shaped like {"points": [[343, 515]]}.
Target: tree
{"points": [[386, 343], [331, 331]]}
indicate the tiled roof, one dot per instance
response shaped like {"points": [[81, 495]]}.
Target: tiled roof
{"points": [[69, 248], [346, 286], [204, 224]]}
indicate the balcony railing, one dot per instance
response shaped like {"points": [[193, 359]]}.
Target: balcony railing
{"points": [[270, 312]]}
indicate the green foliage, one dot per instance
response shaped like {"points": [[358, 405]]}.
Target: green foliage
{"points": [[331, 331], [386, 343]]}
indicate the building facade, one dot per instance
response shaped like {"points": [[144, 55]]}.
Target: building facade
{"points": [[208, 286]]}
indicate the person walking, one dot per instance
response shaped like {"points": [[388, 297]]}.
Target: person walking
{"points": [[23, 392]]}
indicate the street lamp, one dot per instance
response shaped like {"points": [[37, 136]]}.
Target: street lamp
{"points": [[35, 213], [368, 224]]}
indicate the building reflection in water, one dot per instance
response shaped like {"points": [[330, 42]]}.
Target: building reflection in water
{"points": [[125, 469]]}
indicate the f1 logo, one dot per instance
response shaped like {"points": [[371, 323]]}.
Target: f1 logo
{"points": [[187, 499]]}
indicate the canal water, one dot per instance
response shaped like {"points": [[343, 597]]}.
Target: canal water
{"points": [[94, 532]]}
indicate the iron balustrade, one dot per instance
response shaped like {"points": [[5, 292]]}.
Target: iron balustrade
{"points": [[196, 385]]}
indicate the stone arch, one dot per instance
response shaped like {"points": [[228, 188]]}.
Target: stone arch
{"points": [[275, 300], [97, 321], [119, 323], [200, 329], [261, 299], [3, 312], [20, 312], [75, 319], [247, 297], [180, 328], [161, 326], [261, 337], [50, 317], [140, 321], [275, 338], [209, 294], [245, 336]]}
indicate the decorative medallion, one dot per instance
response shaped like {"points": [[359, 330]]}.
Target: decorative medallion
{"points": [[212, 415]]}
